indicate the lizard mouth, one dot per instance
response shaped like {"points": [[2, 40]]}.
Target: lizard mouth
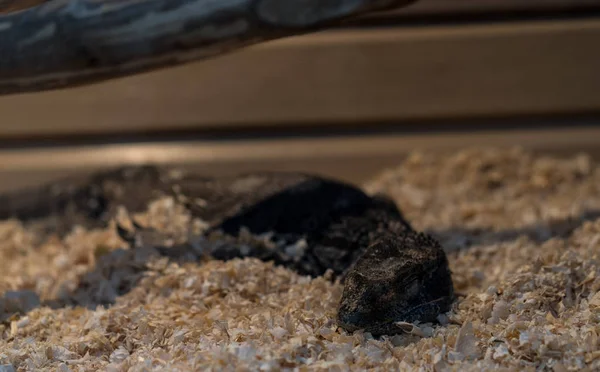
{"points": [[352, 321]]}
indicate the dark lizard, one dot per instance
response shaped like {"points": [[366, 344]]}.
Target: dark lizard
{"points": [[391, 273]]}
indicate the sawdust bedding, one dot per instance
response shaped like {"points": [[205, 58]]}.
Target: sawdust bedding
{"points": [[523, 236]]}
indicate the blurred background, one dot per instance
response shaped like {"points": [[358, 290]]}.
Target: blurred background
{"points": [[347, 103]]}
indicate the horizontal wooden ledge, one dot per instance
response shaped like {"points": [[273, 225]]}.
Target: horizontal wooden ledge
{"points": [[575, 139], [353, 159]]}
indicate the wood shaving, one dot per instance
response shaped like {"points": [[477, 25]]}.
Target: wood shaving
{"points": [[523, 236]]}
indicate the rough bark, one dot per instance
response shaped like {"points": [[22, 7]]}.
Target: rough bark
{"points": [[61, 43]]}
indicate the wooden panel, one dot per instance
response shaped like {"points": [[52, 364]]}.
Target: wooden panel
{"points": [[396, 74]]}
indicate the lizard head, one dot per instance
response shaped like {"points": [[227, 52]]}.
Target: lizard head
{"points": [[402, 278]]}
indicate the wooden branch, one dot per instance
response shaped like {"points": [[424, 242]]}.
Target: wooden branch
{"points": [[64, 43]]}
